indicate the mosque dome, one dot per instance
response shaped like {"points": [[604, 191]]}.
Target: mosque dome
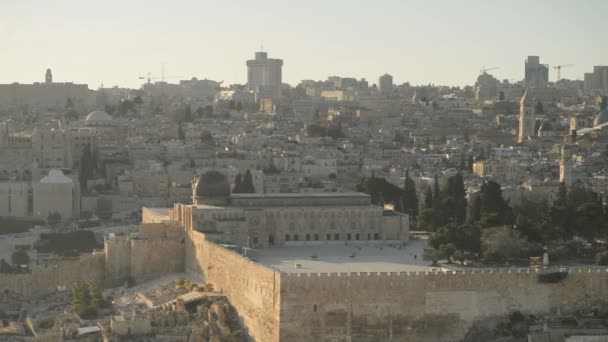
{"points": [[211, 185], [601, 118], [56, 177], [98, 117]]}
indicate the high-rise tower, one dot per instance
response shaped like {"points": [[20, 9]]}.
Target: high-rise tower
{"points": [[536, 74], [264, 75]]}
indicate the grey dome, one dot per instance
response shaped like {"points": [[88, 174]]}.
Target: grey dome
{"points": [[601, 118], [212, 184]]}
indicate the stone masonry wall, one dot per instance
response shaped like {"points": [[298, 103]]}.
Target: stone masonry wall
{"points": [[253, 289], [152, 258], [361, 307], [45, 280]]}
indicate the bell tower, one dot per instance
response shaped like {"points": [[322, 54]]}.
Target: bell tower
{"points": [[48, 77], [527, 118]]}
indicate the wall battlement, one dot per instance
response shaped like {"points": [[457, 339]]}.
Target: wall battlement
{"points": [[486, 271]]}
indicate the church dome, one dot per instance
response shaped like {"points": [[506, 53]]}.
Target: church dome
{"points": [[98, 117], [601, 118], [212, 184]]}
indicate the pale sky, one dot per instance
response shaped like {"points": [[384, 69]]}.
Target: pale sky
{"points": [[442, 42]]}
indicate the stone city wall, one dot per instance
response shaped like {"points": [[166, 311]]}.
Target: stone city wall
{"points": [[152, 258], [46, 280], [422, 306], [253, 289]]}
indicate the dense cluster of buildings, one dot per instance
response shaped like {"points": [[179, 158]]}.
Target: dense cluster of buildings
{"points": [[269, 170]]}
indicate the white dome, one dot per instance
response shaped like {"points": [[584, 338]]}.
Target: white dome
{"points": [[56, 177], [98, 117]]}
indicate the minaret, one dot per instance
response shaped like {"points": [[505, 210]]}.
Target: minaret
{"points": [[49, 76], [527, 119], [565, 166]]}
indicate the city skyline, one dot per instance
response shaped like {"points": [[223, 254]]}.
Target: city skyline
{"points": [[106, 44]]}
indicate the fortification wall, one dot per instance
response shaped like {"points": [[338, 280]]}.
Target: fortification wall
{"points": [[419, 306], [45, 280], [117, 260], [151, 258], [253, 289]]}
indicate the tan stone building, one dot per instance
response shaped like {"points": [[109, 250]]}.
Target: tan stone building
{"points": [[259, 220]]}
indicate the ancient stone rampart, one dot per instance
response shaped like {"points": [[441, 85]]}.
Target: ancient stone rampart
{"points": [[253, 289], [153, 258], [43, 280], [425, 306]]}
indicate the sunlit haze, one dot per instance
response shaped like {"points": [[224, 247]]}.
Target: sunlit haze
{"points": [[114, 42]]}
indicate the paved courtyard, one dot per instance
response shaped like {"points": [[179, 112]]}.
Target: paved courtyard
{"points": [[352, 257]]}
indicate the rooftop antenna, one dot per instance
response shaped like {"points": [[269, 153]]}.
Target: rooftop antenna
{"points": [[262, 48]]}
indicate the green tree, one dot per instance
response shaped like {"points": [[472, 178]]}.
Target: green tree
{"points": [[237, 184], [137, 100], [493, 208], [104, 208], [54, 218], [239, 106], [601, 259], [206, 137], [475, 207], [453, 201], [374, 186], [247, 186], [409, 198], [425, 219], [180, 132], [315, 131], [188, 114], [5, 268], [465, 237], [538, 108], [87, 167], [20, 257], [436, 194], [501, 244]]}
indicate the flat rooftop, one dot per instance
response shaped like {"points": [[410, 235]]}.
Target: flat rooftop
{"points": [[354, 257], [303, 195]]}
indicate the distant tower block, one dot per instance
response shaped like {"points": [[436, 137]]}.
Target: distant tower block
{"points": [[49, 76]]}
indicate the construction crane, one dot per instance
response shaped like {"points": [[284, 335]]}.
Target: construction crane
{"points": [[484, 70], [559, 69], [150, 77]]}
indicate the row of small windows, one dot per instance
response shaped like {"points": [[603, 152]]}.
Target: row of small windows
{"points": [[358, 213], [328, 237]]}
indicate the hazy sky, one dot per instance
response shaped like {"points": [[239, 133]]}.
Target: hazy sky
{"points": [[443, 42]]}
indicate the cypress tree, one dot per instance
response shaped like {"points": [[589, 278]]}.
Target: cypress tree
{"points": [[237, 184], [409, 199], [247, 185]]}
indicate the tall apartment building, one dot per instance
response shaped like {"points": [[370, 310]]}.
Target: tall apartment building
{"points": [[598, 79], [385, 84], [536, 74], [264, 75]]}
